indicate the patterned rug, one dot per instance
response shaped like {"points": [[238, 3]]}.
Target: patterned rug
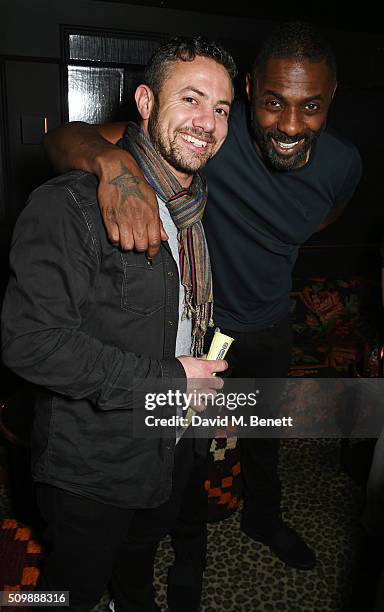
{"points": [[243, 576], [324, 505]]}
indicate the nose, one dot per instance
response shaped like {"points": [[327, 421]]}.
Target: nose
{"points": [[205, 119], [290, 122]]}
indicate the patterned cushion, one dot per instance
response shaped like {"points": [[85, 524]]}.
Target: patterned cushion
{"points": [[20, 556], [223, 484], [334, 326]]}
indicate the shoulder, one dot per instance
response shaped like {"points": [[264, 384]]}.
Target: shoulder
{"points": [[62, 207], [72, 192], [338, 150], [80, 186], [338, 162]]}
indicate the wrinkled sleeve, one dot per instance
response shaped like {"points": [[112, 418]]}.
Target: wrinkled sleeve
{"points": [[54, 264]]}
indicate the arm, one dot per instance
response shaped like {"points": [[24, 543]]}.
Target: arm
{"points": [[332, 216], [347, 190], [54, 266], [128, 204], [77, 145]]}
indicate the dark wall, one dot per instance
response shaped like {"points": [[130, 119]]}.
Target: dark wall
{"points": [[31, 84], [352, 243], [31, 87]]}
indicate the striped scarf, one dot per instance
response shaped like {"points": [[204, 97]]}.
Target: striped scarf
{"points": [[186, 207]]}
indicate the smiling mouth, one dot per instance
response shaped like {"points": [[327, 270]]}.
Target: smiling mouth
{"points": [[196, 142], [287, 148]]}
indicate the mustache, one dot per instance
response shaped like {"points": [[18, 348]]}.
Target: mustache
{"points": [[206, 136]]}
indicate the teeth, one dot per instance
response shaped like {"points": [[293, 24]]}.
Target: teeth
{"points": [[195, 141], [285, 145]]}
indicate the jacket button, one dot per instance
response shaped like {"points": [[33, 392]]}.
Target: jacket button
{"points": [[170, 273], [170, 323]]}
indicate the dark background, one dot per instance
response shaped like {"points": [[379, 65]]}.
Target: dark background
{"points": [[32, 85]]}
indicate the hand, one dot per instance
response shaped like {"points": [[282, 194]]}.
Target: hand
{"points": [[201, 368], [128, 204], [200, 378]]}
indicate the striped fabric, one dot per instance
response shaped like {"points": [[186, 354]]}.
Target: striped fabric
{"points": [[186, 207]]}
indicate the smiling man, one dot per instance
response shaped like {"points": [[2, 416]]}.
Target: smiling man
{"points": [[280, 176], [289, 106], [89, 324]]}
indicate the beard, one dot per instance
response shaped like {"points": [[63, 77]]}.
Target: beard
{"points": [[172, 150], [279, 161]]}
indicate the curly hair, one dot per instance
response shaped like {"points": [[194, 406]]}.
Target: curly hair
{"points": [[186, 50]]}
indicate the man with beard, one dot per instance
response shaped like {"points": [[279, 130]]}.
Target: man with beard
{"points": [[280, 176], [89, 325]]}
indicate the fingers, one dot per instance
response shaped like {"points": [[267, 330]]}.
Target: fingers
{"points": [[140, 238], [199, 406], [133, 234], [113, 233], [111, 226], [126, 239], [216, 365], [154, 237], [163, 233], [131, 215], [217, 384], [202, 397]]}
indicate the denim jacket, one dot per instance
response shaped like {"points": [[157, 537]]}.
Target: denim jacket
{"points": [[85, 322]]}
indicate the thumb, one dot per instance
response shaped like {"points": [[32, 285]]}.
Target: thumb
{"points": [[217, 365]]}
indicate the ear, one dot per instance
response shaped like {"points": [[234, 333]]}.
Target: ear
{"points": [[248, 85], [144, 101]]}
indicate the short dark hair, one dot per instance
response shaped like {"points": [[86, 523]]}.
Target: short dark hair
{"points": [[295, 40], [186, 50]]}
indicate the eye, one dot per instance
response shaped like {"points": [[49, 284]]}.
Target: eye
{"points": [[273, 104], [312, 107], [190, 100], [222, 112]]}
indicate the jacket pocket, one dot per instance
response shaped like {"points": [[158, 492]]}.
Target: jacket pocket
{"points": [[143, 290]]}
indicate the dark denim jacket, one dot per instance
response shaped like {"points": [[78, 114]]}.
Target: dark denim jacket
{"points": [[85, 322]]}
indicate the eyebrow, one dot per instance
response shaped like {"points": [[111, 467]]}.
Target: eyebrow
{"points": [[270, 92], [203, 95]]}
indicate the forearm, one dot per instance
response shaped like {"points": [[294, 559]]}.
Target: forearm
{"points": [[333, 216], [74, 146], [81, 146], [79, 366]]}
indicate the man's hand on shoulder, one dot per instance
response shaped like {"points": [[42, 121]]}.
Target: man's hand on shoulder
{"points": [[128, 204]]}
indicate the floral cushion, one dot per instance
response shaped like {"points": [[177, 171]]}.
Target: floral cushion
{"points": [[334, 326]]}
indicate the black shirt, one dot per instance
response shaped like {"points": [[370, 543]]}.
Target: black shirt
{"points": [[257, 218]]}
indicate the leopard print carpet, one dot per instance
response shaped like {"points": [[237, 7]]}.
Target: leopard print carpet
{"points": [[323, 504]]}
